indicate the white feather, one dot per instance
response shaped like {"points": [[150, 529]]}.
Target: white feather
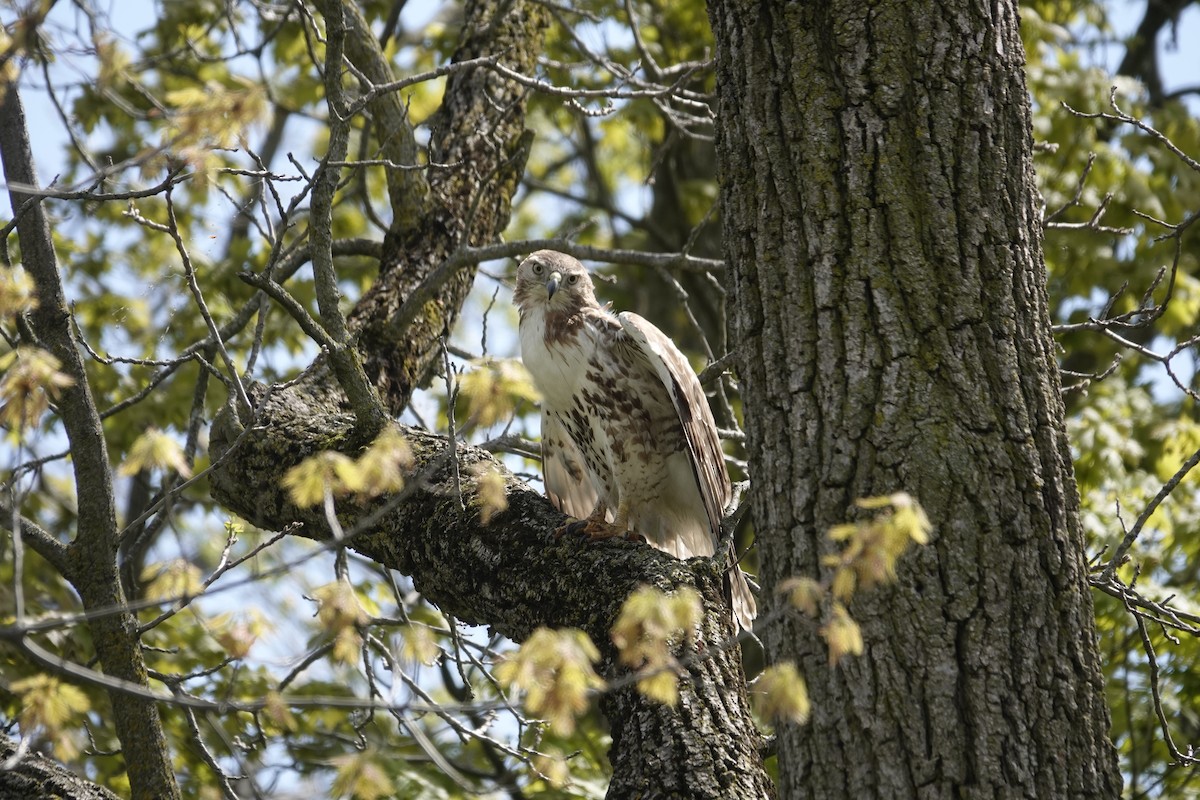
{"points": [[556, 373], [675, 497]]}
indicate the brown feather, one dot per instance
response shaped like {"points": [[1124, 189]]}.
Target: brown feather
{"points": [[625, 421]]}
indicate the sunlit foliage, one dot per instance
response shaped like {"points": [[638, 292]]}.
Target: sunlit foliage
{"points": [[363, 689]]}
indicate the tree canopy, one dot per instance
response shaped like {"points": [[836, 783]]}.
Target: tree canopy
{"points": [[220, 182]]}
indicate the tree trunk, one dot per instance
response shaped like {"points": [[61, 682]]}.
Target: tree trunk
{"points": [[510, 575], [890, 314]]}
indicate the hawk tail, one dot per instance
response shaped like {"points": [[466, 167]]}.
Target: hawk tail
{"points": [[741, 598]]}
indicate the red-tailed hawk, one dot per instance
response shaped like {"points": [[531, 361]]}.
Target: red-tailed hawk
{"points": [[628, 441]]}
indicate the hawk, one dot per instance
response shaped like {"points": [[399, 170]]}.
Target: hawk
{"points": [[629, 445]]}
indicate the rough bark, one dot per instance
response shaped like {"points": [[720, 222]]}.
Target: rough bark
{"points": [[33, 775], [480, 127], [509, 575], [891, 319], [90, 559], [513, 576]]}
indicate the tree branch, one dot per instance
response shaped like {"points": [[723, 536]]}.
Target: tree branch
{"points": [[513, 576], [25, 775], [39, 540], [342, 357], [91, 562], [407, 189]]}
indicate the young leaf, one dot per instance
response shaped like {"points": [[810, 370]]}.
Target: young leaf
{"points": [[493, 390], [554, 670], [361, 776], [277, 711], [842, 635], [781, 693], [383, 464], [16, 293], [803, 593], [651, 622], [491, 493], [307, 481], [172, 579], [236, 637], [553, 767], [419, 644], [339, 606], [155, 449], [50, 704], [30, 381]]}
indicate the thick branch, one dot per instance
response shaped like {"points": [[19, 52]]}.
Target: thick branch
{"points": [[513, 576], [509, 575], [27, 775], [407, 188], [479, 128]]}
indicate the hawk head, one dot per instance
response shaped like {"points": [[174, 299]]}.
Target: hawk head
{"points": [[553, 282]]}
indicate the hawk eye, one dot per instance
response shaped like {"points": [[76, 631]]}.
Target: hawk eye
{"points": [[537, 268], [574, 279]]}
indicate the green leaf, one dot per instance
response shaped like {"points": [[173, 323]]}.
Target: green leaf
{"points": [[781, 694], [554, 670], [155, 449]]}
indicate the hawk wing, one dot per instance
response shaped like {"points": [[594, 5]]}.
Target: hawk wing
{"points": [[568, 484], [699, 428]]}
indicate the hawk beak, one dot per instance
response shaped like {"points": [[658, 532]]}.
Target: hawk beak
{"points": [[552, 284]]}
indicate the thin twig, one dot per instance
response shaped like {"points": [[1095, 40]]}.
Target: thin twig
{"points": [[194, 286]]}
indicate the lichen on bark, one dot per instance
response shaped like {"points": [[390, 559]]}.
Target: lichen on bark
{"points": [[510, 574], [891, 316]]}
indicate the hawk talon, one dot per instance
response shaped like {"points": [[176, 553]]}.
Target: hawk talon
{"points": [[573, 528], [598, 530], [595, 530]]}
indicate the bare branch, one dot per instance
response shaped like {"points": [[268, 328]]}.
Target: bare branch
{"points": [[189, 272], [1142, 125], [1118, 557], [40, 540]]}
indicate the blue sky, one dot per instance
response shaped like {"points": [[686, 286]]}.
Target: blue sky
{"points": [[1181, 66], [1179, 56]]}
